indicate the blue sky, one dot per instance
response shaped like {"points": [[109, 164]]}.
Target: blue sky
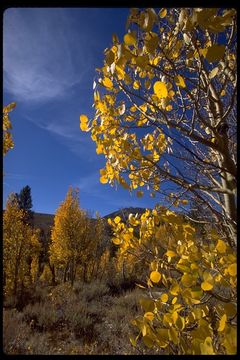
{"points": [[49, 61]]}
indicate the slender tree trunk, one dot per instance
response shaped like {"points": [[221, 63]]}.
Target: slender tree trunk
{"points": [[72, 271], [52, 269], [65, 272]]}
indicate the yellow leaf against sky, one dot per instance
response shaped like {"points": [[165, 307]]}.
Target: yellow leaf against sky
{"points": [[160, 89]]}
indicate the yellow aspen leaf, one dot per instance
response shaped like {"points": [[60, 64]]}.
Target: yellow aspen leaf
{"points": [[110, 57], [189, 229], [103, 179], [116, 241], [144, 329], [196, 293], [164, 298], [83, 118], [222, 323], [127, 237], [130, 39], [180, 81], [117, 219], [173, 335], [160, 89], [230, 309], [171, 93], [169, 107], [232, 269], [174, 300], [148, 341], [171, 253], [107, 82], [207, 347], [162, 13], [84, 127], [221, 246], [83, 123], [184, 202], [155, 276], [149, 315], [187, 280], [133, 341], [136, 85], [139, 194], [180, 323], [175, 289], [147, 304], [213, 73], [99, 149], [206, 286], [230, 341], [175, 316], [207, 277], [147, 84], [223, 93]]}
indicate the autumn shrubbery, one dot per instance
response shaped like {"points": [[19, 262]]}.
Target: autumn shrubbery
{"points": [[83, 319]]}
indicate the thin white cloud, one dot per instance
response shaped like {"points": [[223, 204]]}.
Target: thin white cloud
{"points": [[38, 54]]}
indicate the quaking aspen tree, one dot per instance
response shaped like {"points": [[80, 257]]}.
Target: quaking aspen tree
{"points": [[165, 120], [70, 244]]}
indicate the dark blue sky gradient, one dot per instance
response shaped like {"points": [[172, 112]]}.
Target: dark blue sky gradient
{"points": [[49, 61]]}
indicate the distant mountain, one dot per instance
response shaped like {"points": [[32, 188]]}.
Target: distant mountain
{"points": [[124, 213], [47, 220], [43, 221]]}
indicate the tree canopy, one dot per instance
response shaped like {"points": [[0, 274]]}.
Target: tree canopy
{"points": [[165, 120], [165, 114]]}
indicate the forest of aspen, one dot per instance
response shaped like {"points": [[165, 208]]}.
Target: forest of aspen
{"points": [[154, 281]]}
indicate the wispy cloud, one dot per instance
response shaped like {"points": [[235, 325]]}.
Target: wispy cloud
{"points": [[39, 59]]}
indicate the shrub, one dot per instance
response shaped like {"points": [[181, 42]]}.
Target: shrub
{"points": [[42, 316], [93, 291], [38, 344], [15, 332]]}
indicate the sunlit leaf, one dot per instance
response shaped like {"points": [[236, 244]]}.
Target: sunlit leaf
{"points": [[155, 276], [116, 241], [117, 219], [232, 269], [180, 81], [207, 347], [130, 39], [149, 315], [222, 323], [164, 298], [160, 89], [221, 246], [162, 13], [107, 83], [213, 73], [206, 286], [148, 341]]}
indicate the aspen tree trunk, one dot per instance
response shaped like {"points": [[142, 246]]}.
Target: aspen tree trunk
{"points": [[228, 177]]}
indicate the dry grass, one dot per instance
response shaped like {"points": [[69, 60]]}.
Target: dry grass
{"points": [[86, 319]]}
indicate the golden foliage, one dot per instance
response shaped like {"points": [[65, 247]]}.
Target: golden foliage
{"points": [[16, 247], [199, 269], [7, 136]]}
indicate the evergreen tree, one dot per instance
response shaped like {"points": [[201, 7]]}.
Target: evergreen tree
{"points": [[25, 203]]}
